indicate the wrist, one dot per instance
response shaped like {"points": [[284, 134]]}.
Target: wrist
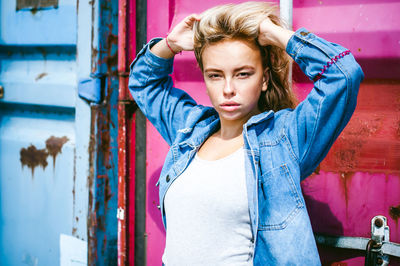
{"points": [[278, 36], [172, 46]]}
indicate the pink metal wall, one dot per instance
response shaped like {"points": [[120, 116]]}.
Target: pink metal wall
{"points": [[360, 177]]}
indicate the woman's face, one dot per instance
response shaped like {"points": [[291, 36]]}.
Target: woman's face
{"points": [[234, 78]]}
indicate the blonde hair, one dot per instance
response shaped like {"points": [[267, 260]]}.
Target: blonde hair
{"points": [[241, 22]]}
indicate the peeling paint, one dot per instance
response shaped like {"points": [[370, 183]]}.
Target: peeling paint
{"points": [[33, 157]]}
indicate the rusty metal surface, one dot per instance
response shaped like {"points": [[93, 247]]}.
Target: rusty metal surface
{"points": [[32, 184], [103, 186], [126, 135], [360, 177], [33, 157], [58, 167], [123, 135], [36, 4], [38, 174]]}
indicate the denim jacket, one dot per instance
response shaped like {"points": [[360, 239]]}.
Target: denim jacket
{"points": [[282, 147]]}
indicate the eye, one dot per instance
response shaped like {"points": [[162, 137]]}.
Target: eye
{"points": [[214, 76], [244, 74]]}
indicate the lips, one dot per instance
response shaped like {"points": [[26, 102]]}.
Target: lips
{"points": [[230, 106]]}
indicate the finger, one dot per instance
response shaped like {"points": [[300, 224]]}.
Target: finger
{"points": [[189, 20], [193, 16], [196, 17], [262, 41]]}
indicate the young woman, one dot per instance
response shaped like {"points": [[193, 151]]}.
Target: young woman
{"points": [[230, 186]]}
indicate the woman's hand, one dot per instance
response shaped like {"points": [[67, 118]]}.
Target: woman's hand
{"points": [[181, 36], [180, 39], [272, 34]]}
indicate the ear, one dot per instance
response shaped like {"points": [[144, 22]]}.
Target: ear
{"points": [[265, 80]]}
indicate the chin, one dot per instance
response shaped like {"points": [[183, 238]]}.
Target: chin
{"points": [[234, 117]]}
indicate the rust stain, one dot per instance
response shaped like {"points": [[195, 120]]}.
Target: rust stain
{"points": [[346, 157], [92, 43], [41, 75], [363, 127], [346, 179], [95, 52], [398, 128], [91, 218], [43, 51], [394, 212], [111, 38], [34, 10], [107, 192], [105, 140], [100, 218], [111, 59], [54, 146], [33, 157]]}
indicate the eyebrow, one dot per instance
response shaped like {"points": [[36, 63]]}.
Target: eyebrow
{"points": [[235, 70]]}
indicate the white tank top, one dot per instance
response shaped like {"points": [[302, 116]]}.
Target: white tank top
{"points": [[207, 214]]}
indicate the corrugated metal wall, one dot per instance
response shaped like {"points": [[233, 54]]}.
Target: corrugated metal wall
{"points": [[360, 178]]}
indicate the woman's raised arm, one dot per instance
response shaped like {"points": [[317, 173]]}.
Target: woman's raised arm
{"points": [[316, 122], [180, 39], [150, 84]]}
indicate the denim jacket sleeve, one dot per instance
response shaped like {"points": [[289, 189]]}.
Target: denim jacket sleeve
{"points": [[316, 122], [152, 88]]}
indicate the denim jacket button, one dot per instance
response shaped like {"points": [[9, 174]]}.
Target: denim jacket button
{"points": [[167, 178]]}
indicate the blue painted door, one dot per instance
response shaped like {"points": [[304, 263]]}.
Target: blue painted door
{"points": [[44, 131]]}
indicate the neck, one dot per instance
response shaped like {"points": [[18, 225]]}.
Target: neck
{"points": [[233, 128], [230, 129]]}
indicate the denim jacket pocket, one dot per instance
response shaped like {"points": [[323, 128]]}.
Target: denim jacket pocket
{"points": [[278, 199]]}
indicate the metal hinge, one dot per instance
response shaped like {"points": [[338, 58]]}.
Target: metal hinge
{"points": [[93, 89], [378, 247]]}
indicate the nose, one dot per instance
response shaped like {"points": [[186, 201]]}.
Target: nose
{"points": [[229, 88]]}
